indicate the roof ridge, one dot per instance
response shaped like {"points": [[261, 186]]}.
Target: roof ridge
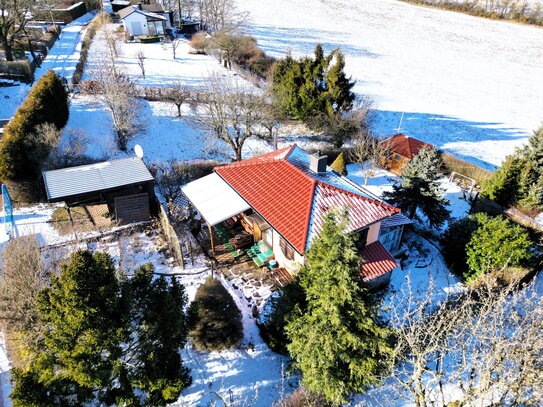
{"points": [[365, 198], [252, 161]]}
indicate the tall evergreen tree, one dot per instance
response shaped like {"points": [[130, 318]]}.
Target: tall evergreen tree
{"points": [[158, 330], [21, 152], [309, 86], [419, 189], [336, 342], [339, 97], [105, 341]]}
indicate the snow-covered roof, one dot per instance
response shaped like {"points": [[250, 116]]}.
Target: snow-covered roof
{"points": [[125, 12], [214, 199], [73, 181]]}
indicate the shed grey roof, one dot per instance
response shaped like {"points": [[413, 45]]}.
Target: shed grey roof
{"points": [[68, 182]]}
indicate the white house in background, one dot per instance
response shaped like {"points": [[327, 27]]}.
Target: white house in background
{"points": [[138, 21]]}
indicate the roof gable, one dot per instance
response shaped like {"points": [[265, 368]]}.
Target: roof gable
{"points": [[406, 146], [294, 200]]}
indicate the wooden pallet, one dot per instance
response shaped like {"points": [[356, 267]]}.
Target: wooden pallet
{"points": [[282, 276]]}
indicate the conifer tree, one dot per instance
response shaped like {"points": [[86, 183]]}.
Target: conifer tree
{"points": [[496, 244], [159, 331], [419, 189], [339, 164], [336, 342], [339, 97], [20, 151]]}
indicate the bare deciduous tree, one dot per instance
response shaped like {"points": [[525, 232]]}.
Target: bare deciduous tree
{"points": [[220, 15], [177, 94], [13, 19], [481, 348], [23, 276], [118, 93], [175, 44], [230, 113], [141, 62], [368, 152]]}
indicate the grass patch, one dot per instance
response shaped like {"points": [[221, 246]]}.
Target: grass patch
{"points": [[455, 164]]}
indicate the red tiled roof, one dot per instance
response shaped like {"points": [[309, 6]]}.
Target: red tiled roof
{"points": [[293, 202], [362, 211], [377, 261], [278, 191], [405, 146]]}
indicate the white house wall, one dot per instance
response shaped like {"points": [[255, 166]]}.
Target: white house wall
{"points": [[291, 265], [140, 26], [373, 233]]}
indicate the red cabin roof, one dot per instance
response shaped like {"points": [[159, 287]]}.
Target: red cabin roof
{"points": [[406, 146]]}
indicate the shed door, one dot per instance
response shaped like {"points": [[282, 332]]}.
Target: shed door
{"points": [[136, 28], [132, 208]]}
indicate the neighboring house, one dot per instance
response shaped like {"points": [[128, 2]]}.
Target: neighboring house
{"points": [[138, 22], [282, 197], [401, 149], [159, 10]]}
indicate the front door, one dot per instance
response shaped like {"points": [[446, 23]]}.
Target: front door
{"points": [[136, 28]]}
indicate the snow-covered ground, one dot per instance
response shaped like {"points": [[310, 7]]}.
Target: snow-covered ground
{"points": [[62, 59], [469, 85]]}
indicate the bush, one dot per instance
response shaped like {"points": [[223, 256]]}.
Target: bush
{"points": [[149, 40], [454, 164], [200, 42], [21, 153], [495, 245], [214, 318], [281, 306], [90, 32], [454, 242], [301, 397]]}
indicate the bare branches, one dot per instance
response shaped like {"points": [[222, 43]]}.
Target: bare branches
{"points": [[368, 152], [13, 19], [141, 62], [178, 94], [229, 113], [478, 349]]}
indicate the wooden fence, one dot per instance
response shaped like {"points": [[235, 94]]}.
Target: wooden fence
{"points": [[171, 235]]}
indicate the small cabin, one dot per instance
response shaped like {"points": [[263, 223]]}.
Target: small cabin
{"points": [[400, 150]]}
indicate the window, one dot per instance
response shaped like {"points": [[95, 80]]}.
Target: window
{"points": [[397, 157], [287, 249]]}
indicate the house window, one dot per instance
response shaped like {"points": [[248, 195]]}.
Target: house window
{"points": [[361, 238], [287, 249]]}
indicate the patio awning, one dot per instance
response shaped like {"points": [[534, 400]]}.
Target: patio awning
{"points": [[214, 199]]}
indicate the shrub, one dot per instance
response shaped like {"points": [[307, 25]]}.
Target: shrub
{"points": [[301, 397], [214, 318], [455, 164], [20, 152], [495, 245], [339, 164], [454, 242], [90, 32], [200, 42], [149, 40]]}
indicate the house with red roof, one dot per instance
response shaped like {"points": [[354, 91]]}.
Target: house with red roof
{"points": [[400, 150], [281, 198]]}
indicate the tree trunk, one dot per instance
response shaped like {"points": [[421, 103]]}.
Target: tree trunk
{"points": [[7, 49], [238, 152], [178, 110]]}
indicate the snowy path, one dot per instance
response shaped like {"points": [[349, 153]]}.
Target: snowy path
{"points": [[471, 86], [62, 59]]}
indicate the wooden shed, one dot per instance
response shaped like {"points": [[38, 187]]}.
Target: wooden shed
{"points": [[126, 185], [401, 149]]}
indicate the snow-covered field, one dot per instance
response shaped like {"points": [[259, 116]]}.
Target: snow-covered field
{"points": [[471, 86]]}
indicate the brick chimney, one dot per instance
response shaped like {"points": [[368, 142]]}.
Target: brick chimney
{"points": [[318, 163]]}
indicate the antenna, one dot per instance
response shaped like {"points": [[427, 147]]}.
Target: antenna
{"points": [[138, 150], [398, 130]]}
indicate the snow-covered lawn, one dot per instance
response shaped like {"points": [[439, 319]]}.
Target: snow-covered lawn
{"points": [[469, 85], [62, 59]]}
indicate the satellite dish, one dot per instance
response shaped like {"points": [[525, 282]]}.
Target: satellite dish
{"points": [[138, 150]]}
